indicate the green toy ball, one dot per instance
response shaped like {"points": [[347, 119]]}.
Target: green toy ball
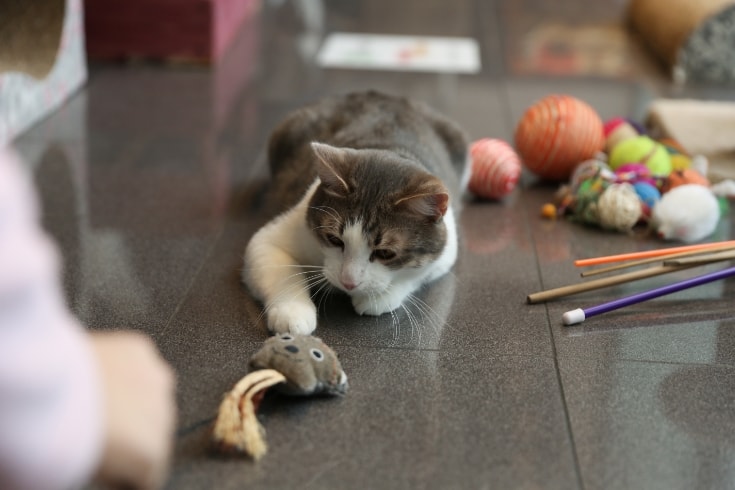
{"points": [[642, 149]]}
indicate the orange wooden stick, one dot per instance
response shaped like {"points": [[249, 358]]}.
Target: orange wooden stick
{"points": [[649, 253], [666, 259]]}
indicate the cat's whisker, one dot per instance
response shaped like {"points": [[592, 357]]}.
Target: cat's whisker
{"points": [[410, 323], [396, 325], [413, 321], [298, 285], [281, 266], [309, 283], [395, 319], [428, 315], [426, 310], [323, 288], [374, 301], [328, 210]]}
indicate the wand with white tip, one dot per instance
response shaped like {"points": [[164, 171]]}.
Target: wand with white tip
{"points": [[574, 317]]}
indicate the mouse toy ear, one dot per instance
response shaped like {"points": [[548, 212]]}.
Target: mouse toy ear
{"points": [[332, 168]]}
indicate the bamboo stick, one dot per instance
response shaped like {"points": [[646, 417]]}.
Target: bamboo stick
{"points": [[604, 282], [702, 259]]}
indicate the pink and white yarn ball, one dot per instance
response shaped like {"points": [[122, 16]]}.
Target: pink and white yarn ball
{"points": [[495, 168]]}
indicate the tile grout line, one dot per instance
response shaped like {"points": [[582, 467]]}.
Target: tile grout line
{"points": [[567, 418], [575, 456], [189, 287]]}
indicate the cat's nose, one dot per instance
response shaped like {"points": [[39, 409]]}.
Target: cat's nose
{"points": [[349, 285]]}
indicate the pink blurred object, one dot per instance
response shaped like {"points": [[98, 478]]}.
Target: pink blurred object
{"points": [[51, 420], [189, 30], [495, 169]]}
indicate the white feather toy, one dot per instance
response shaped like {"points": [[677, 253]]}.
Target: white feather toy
{"points": [[687, 213]]}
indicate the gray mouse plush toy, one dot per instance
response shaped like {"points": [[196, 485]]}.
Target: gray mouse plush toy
{"points": [[292, 364], [309, 365]]}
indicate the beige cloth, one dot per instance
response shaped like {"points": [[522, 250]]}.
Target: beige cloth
{"points": [[701, 127]]}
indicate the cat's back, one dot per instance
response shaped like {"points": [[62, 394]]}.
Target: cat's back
{"points": [[361, 120]]}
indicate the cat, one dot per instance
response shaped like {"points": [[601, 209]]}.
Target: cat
{"points": [[369, 185]]}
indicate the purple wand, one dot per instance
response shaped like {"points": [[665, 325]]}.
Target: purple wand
{"points": [[573, 317]]}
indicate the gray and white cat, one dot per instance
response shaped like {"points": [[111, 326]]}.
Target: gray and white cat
{"points": [[369, 184]]}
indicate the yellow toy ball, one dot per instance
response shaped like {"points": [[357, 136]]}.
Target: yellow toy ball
{"points": [[642, 149], [680, 161]]}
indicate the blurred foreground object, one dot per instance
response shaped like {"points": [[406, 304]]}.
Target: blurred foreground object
{"points": [[42, 60], [694, 38]]}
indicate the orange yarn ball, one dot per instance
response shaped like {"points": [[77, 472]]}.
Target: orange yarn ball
{"points": [[556, 134], [495, 169]]}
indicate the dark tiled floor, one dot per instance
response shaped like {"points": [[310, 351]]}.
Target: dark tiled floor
{"points": [[152, 180]]}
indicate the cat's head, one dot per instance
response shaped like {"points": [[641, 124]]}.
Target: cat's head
{"points": [[377, 216]]}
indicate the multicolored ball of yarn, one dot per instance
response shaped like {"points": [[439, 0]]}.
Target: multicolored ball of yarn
{"points": [[589, 169], [619, 207], [634, 172], [557, 133], [495, 169], [584, 208]]}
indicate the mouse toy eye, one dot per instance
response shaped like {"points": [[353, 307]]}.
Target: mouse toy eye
{"points": [[317, 354], [286, 338]]}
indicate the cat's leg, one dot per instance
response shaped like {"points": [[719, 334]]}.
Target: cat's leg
{"points": [[276, 279], [277, 273]]}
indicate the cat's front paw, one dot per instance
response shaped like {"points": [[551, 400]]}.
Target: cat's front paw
{"points": [[376, 304], [292, 317]]}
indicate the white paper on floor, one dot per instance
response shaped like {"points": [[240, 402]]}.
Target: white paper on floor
{"points": [[400, 53]]}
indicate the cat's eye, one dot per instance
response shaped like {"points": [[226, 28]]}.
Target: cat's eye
{"points": [[317, 354], [383, 254], [335, 241]]}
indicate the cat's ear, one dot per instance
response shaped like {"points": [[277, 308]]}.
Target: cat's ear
{"points": [[332, 168], [430, 199]]}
